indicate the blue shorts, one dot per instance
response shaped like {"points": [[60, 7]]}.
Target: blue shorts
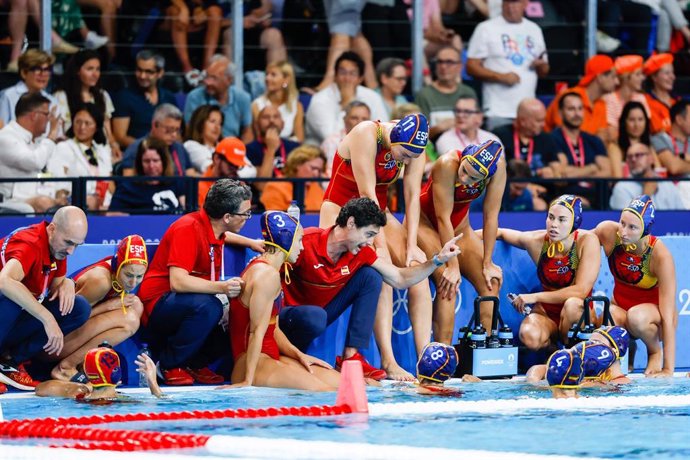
{"points": [[344, 16]]}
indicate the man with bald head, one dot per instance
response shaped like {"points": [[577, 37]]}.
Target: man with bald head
{"points": [[38, 303], [218, 90], [525, 139]]}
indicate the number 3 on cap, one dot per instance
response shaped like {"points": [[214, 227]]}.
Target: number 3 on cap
{"points": [[279, 219]]}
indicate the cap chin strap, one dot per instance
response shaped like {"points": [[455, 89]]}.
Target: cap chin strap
{"points": [[551, 251], [118, 288], [287, 266]]}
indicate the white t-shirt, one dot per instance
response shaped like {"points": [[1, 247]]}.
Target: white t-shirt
{"points": [[507, 47]]}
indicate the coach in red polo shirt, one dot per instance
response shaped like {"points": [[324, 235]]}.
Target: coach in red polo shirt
{"points": [[337, 268], [34, 292], [179, 290]]}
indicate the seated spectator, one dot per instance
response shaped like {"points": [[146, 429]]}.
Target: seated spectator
{"points": [[258, 34], [581, 154], [325, 112], [391, 75], [166, 125], [660, 97], [508, 55], [25, 153], [135, 105], [219, 90], [150, 195], [68, 22], [305, 162], [230, 161], [107, 285], [344, 19], [355, 112], [633, 127], [437, 100], [281, 91], [84, 153], [630, 77], [35, 69], [640, 163], [525, 138], [468, 119], [39, 306], [269, 152], [673, 148], [518, 196], [179, 292], [600, 79], [436, 35], [81, 84], [185, 16], [203, 134]]}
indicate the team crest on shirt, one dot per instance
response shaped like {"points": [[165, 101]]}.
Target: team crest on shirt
{"points": [[345, 270], [390, 164]]}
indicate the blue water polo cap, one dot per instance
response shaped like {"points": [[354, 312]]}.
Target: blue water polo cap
{"points": [[574, 204], [278, 229], [484, 157], [437, 362], [618, 337], [564, 369], [643, 208], [411, 132], [597, 358]]}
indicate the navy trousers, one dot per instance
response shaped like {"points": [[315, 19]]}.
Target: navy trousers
{"points": [[23, 336], [302, 324], [180, 326]]}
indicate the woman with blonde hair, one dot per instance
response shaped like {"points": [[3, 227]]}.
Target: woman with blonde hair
{"points": [[281, 91], [306, 161]]}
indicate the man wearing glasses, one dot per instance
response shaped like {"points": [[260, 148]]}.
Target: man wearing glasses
{"points": [[468, 119], [25, 153], [507, 54], [180, 290], [437, 100], [134, 106], [35, 70]]}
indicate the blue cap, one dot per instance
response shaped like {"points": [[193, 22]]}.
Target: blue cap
{"points": [[574, 204], [643, 208], [564, 369], [278, 229], [411, 132], [597, 358], [437, 362], [618, 337], [484, 157]]}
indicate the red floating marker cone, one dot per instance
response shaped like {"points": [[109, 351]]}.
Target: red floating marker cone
{"points": [[352, 390]]}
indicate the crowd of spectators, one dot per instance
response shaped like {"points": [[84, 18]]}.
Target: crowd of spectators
{"points": [[621, 120]]}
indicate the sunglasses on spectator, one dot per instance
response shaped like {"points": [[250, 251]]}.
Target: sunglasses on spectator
{"points": [[447, 62], [41, 69], [466, 112]]}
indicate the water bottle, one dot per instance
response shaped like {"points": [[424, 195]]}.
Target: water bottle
{"points": [[478, 338], [293, 210], [573, 333], [143, 381], [505, 336], [527, 309]]}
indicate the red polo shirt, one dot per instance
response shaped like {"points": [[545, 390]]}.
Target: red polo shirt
{"points": [[190, 244], [316, 279], [30, 247]]}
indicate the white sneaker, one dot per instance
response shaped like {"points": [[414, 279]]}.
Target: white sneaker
{"points": [[606, 43], [93, 41], [194, 77]]}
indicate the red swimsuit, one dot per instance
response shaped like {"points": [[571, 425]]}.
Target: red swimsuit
{"points": [[105, 263], [239, 325], [343, 186], [556, 273], [633, 281]]}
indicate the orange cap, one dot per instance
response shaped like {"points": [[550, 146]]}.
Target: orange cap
{"points": [[596, 65], [233, 150], [628, 63], [656, 62]]}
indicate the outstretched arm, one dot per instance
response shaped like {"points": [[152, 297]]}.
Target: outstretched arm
{"points": [[413, 184], [666, 273], [492, 205]]}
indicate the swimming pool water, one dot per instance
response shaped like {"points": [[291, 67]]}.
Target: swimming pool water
{"points": [[619, 433]]}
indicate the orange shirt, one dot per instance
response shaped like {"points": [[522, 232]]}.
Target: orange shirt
{"points": [[205, 186], [660, 114], [594, 114], [278, 195]]}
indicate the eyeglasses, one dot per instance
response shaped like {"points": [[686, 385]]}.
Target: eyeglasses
{"points": [[42, 113], [169, 129], [246, 214], [40, 69], [447, 62], [466, 112]]}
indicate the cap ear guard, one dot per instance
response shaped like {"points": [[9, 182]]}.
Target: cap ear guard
{"points": [[279, 230], [597, 358], [643, 208], [484, 157], [574, 204], [412, 132], [564, 369], [102, 367], [618, 338]]}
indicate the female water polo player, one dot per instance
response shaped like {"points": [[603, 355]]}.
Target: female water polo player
{"points": [[115, 311], [263, 355], [644, 283], [567, 266], [370, 158], [457, 178], [564, 372], [435, 366]]}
